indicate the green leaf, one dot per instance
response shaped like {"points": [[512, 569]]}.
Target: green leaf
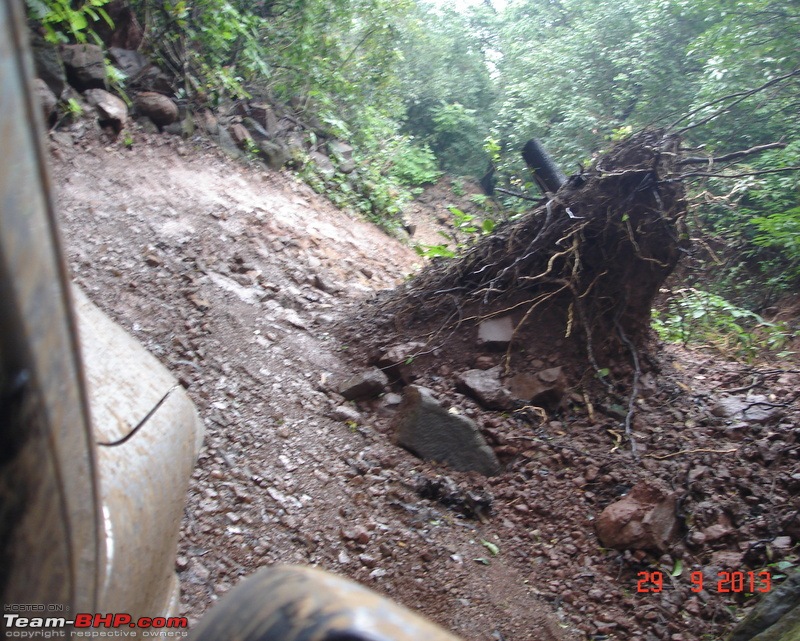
{"points": [[493, 549], [482, 560], [677, 569], [488, 226]]}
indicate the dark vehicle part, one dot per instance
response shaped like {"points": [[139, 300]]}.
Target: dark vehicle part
{"points": [[291, 603]]}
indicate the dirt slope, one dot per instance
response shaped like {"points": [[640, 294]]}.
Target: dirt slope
{"points": [[236, 279]]}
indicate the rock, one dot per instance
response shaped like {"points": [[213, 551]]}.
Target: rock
{"points": [[364, 385], [49, 66], [545, 389], [112, 111], [84, 65], [346, 414], [256, 130], [398, 361], [151, 78], [159, 108], [323, 163], [485, 362], [343, 153], [263, 114], [127, 61], [496, 333], [208, 122], [274, 153], [429, 431], [776, 617], [753, 409], [47, 101], [643, 520], [240, 135], [358, 533], [485, 387]]}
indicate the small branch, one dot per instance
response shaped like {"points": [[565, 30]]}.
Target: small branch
{"points": [[697, 160]]}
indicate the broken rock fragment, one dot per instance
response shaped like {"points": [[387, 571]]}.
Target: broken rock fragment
{"points": [[367, 384], [643, 520], [496, 333], [544, 389], [429, 431], [752, 409], [485, 387]]}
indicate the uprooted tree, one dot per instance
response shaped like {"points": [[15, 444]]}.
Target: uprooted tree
{"points": [[589, 260]]}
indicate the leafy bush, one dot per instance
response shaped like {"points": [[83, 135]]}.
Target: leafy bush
{"points": [[697, 316], [61, 21], [415, 164]]}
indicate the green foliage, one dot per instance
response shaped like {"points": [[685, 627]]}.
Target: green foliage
{"points": [[467, 228], [64, 23], [697, 316], [414, 164]]}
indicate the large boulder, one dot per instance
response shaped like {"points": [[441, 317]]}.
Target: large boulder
{"points": [[49, 66], [159, 108], [84, 65], [431, 432], [643, 520]]}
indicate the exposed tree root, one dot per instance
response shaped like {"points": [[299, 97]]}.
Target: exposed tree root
{"points": [[599, 250]]}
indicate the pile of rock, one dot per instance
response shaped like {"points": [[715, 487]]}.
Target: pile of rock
{"points": [[75, 79]]}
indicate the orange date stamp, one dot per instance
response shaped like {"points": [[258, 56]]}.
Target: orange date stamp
{"points": [[727, 582]]}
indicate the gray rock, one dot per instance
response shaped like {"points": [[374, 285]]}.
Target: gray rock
{"points": [[776, 617], [227, 143], [346, 414], [47, 101], [753, 409], [323, 163], [128, 62], [274, 153], [49, 66], [429, 431], [485, 387], [643, 520], [111, 111], [84, 65], [398, 361], [496, 333], [258, 132], [263, 114], [367, 384], [159, 108], [343, 153]]}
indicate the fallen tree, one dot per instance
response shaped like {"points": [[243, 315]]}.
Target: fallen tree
{"points": [[593, 255]]}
